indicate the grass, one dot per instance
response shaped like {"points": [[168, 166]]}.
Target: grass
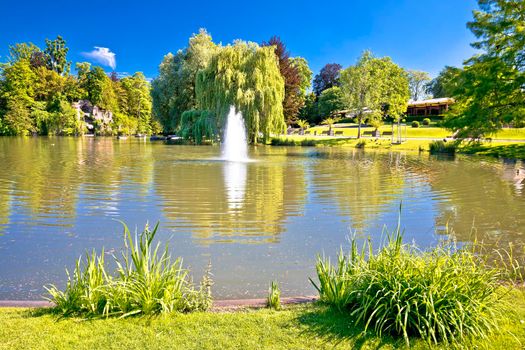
{"points": [[436, 147], [274, 296], [147, 282], [311, 326], [444, 295]]}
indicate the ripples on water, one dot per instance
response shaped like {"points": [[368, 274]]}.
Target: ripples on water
{"points": [[255, 221]]}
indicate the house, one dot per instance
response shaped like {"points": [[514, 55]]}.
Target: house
{"points": [[435, 106]]}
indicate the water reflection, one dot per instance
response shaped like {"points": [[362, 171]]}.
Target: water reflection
{"points": [[235, 174], [256, 221]]}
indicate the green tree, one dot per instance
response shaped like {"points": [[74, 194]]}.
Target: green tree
{"points": [[100, 90], [489, 91], [310, 111], [173, 91], [445, 83], [246, 76], [137, 101], [374, 86], [301, 64], [56, 52], [331, 100], [417, 81]]}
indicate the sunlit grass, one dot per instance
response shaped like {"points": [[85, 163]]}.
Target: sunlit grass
{"points": [[147, 281], [444, 295]]}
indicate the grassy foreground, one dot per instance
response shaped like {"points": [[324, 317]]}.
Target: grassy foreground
{"points": [[308, 326]]}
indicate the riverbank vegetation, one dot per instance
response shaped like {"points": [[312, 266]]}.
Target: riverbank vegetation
{"points": [[40, 96], [147, 282]]}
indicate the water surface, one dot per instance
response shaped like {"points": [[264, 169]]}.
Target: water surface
{"points": [[258, 221]]}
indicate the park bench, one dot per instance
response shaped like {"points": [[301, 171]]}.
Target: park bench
{"points": [[339, 133], [387, 133], [368, 133], [307, 132], [324, 132]]}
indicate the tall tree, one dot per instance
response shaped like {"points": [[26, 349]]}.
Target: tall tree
{"points": [[293, 100], [373, 86], [56, 52], [173, 91], [246, 76], [417, 81], [490, 94], [328, 77], [138, 101], [301, 64]]}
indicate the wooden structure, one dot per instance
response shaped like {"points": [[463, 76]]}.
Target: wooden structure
{"points": [[436, 106]]}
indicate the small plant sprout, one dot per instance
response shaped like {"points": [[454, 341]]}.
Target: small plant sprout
{"points": [[274, 296]]}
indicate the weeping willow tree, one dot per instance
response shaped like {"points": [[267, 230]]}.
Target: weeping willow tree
{"points": [[246, 76], [198, 126]]}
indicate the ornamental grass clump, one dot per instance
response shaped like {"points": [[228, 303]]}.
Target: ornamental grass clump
{"points": [[274, 296], [147, 281], [442, 295]]}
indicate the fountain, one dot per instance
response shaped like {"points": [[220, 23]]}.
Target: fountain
{"points": [[235, 145]]}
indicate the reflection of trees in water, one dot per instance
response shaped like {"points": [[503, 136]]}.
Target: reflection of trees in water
{"points": [[479, 199], [198, 195], [47, 174], [362, 184]]}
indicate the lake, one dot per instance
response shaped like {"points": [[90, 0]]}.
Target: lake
{"points": [[256, 222]]}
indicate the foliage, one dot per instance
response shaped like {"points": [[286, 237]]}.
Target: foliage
{"points": [[426, 121], [198, 126], [417, 81], [442, 147], [293, 99], [173, 91], [376, 86], [328, 77], [56, 55], [415, 124], [331, 100], [147, 282], [136, 101], [442, 295], [490, 87], [303, 124], [247, 77], [274, 296], [310, 109], [444, 84], [305, 73]]}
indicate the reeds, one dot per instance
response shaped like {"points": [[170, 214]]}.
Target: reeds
{"points": [[147, 281], [442, 295], [274, 296]]}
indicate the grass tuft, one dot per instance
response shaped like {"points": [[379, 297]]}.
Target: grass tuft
{"points": [[274, 296], [442, 147], [147, 281], [444, 295]]}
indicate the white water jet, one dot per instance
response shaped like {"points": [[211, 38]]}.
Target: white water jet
{"points": [[235, 145]]}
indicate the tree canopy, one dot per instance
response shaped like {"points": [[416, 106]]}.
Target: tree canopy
{"points": [[246, 76], [375, 87], [328, 77], [489, 90]]}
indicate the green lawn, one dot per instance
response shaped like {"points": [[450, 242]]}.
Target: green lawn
{"points": [[297, 327], [421, 132]]}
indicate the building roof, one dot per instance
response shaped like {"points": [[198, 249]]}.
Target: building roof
{"points": [[431, 102]]}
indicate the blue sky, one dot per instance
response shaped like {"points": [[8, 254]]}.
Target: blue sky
{"points": [[417, 34]]}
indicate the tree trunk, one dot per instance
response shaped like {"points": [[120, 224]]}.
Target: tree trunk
{"points": [[359, 126]]}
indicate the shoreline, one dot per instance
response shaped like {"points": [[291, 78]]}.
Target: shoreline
{"points": [[218, 305]]}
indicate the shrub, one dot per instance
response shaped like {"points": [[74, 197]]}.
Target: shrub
{"points": [[415, 124], [274, 296], [442, 147], [146, 282], [426, 121], [442, 295]]}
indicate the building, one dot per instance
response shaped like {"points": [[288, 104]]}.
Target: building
{"points": [[435, 106]]}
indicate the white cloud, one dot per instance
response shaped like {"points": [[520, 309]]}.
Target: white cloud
{"points": [[102, 55]]}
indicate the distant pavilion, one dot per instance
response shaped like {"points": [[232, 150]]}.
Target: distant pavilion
{"points": [[435, 106]]}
